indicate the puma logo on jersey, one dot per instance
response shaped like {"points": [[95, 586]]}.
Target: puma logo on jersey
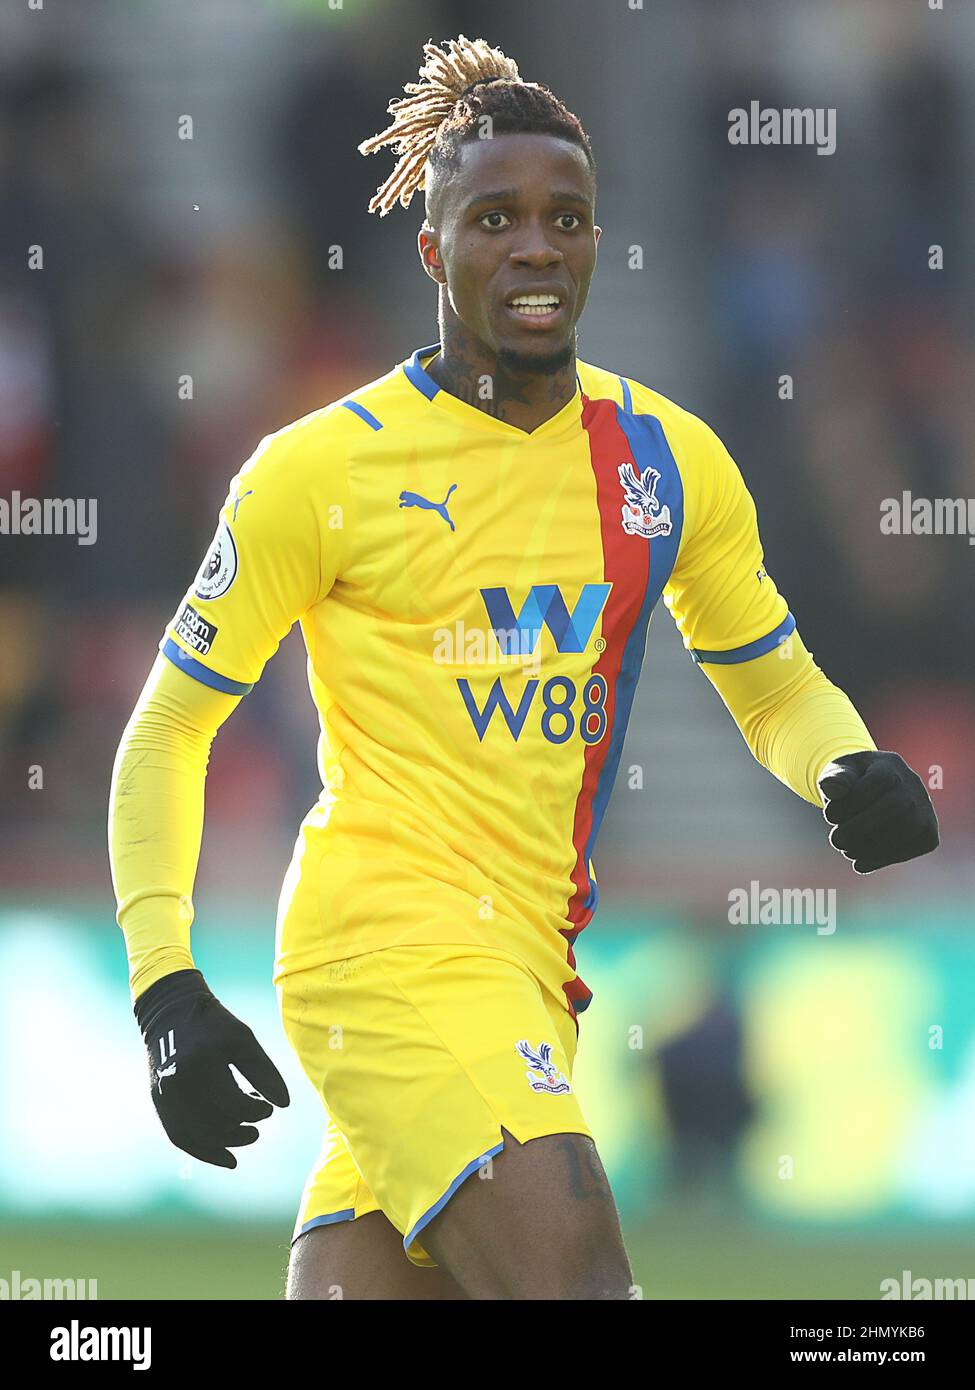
{"points": [[240, 498], [167, 1054], [413, 499]]}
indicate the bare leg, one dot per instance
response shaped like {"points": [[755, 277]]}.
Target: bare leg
{"points": [[543, 1226], [362, 1259]]}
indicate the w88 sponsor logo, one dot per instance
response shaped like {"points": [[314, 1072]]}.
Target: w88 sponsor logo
{"points": [[560, 717], [571, 629]]}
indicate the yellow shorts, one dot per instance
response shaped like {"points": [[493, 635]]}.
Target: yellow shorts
{"points": [[421, 1055]]}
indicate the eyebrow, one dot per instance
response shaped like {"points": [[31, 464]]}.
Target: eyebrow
{"points": [[506, 195]]}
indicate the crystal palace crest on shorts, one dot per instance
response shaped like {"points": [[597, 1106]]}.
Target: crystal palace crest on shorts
{"points": [[643, 514], [542, 1073]]}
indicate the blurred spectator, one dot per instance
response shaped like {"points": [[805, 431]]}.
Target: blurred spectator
{"points": [[814, 268]]}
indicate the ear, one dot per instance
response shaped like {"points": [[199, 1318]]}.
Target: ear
{"points": [[428, 246], [597, 233]]}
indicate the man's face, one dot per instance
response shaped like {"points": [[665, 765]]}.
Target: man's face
{"points": [[515, 220]]}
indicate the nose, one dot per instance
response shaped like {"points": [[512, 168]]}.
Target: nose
{"points": [[535, 251]]}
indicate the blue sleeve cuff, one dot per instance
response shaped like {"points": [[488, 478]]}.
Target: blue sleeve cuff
{"points": [[201, 673], [751, 649]]}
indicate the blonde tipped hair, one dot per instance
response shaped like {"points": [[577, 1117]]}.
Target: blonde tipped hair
{"points": [[459, 83]]}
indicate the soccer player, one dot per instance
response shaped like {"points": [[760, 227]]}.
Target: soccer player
{"points": [[473, 545]]}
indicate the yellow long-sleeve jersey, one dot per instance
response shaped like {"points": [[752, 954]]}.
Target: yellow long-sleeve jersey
{"points": [[475, 602]]}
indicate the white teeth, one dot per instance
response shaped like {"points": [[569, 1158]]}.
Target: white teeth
{"points": [[535, 305]]}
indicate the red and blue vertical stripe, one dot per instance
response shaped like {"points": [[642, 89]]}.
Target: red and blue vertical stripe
{"points": [[638, 569]]}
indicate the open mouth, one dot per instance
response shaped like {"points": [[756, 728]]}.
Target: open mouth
{"points": [[536, 310]]}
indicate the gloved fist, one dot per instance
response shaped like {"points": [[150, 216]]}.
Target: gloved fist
{"points": [[191, 1040], [879, 809]]}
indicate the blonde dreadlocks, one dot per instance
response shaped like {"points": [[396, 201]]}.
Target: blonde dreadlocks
{"points": [[457, 89]]}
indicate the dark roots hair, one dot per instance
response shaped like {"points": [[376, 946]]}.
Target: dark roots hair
{"points": [[459, 86]]}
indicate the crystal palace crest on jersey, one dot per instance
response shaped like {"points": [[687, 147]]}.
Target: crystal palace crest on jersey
{"points": [[643, 514]]}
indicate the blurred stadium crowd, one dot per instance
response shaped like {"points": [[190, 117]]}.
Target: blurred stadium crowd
{"points": [[214, 260], [209, 257]]}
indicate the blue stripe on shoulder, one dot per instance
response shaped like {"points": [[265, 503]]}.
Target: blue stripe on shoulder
{"points": [[363, 413], [202, 673], [759, 647], [627, 396]]}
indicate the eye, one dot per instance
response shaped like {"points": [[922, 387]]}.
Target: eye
{"points": [[497, 225], [576, 221]]}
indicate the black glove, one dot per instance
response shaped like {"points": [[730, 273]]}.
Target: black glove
{"points": [[879, 809], [192, 1040]]}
